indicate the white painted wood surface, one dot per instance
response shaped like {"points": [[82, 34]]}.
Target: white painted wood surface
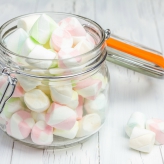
{"points": [[137, 20]]}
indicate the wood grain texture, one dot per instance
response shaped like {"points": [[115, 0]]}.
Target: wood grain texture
{"points": [[137, 20]]}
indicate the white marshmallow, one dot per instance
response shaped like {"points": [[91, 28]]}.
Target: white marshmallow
{"points": [[60, 117], [28, 83], [79, 109], [156, 126], [38, 116], [27, 22], [41, 57], [36, 100], [45, 89], [60, 39], [20, 125], [11, 106], [27, 47], [96, 106], [16, 39], [142, 140], [88, 125], [63, 94], [42, 134], [137, 119], [42, 29], [73, 26], [70, 134]]}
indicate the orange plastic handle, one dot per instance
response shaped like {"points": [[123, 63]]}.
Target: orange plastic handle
{"points": [[135, 51]]}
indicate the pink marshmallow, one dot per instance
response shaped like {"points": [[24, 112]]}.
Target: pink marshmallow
{"points": [[20, 125], [88, 88], [42, 134], [157, 126], [79, 109], [61, 39], [68, 57], [73, 26], [60, 117], [19, 92]]}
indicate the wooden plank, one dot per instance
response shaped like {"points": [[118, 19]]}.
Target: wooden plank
{"points": [[26, 155], [130, 91], [6, 144]]}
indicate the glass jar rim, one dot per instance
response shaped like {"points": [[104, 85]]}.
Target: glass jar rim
{"points": [[5, 49]]}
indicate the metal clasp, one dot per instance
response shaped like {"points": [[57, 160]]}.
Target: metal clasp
{"points": [[107, 33], [9, 90]]}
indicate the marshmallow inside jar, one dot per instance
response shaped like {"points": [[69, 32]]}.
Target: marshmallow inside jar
{"points": [[62, 77]]}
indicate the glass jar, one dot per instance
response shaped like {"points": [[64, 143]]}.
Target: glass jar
{"points": [[53, 106]]}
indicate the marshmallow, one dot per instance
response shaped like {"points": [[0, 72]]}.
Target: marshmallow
{"points": [[70, 134], [20, 125], [42, 134], [18, 92], [157, 126], [68, 57], [36, 100], [73, 26], [79, 109], [12, 106], [27, 22], [38, 116], [15, 40], [45, 89], [89, 88], [96, 106], [60, 39], [27, 47], [42, 29], [41, 57], [137, 119], [62, 93], [60, 117], [28, 83], [142, 140], [88, 124]]}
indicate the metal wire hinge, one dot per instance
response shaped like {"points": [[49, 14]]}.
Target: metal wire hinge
{"points": [[9, 89]]}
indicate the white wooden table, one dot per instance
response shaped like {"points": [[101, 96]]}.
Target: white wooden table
{"points": [[137, 20]]}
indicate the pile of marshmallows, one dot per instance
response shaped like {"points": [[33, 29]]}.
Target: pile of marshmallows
{"points": [[142, 139], [41, 111], [40, 37]]}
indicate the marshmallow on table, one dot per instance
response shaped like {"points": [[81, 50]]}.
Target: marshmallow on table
{"points": [[137, 119], [142, 140], [79, 109], [70, 134], [27, 22], [42, 134], [88, 124], [36, 100], [60, 39], [73, 26], [89, 88], [96, 106], [60, 117], [16, 39], [41, 58], [18, 92], [28, 83], [38, 116], [156, 126], [68, 57], [12, 106], [43, 28], [20, 125], [62, 93], [27, 46]]}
